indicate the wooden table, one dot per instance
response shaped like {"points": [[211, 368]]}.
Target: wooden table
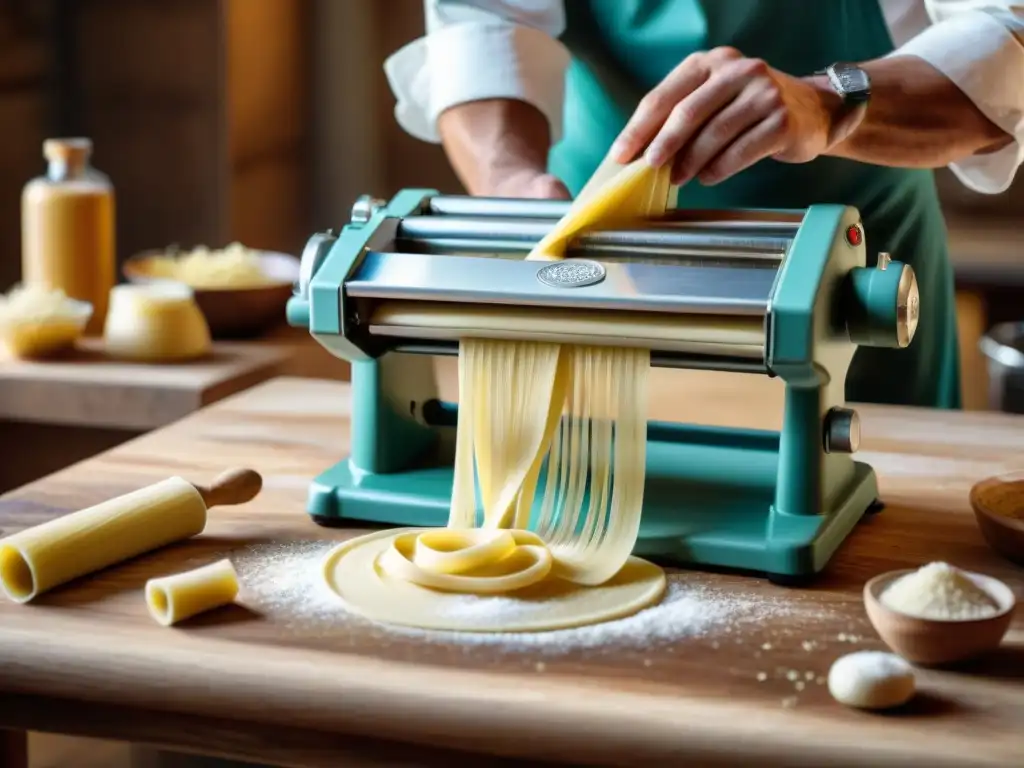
{"points": [[302, 692], [62, 411]]}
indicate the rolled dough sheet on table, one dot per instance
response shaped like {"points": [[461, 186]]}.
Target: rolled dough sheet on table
{"points": [[350, 570]]}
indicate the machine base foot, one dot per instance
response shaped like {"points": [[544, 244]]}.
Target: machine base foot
{"points": [[797, 581], [875, 507], [693, 518]]}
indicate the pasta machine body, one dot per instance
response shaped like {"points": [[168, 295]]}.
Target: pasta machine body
{"points": [[787, 294]]}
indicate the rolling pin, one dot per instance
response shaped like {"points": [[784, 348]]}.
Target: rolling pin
{"points": [[53, 553]]}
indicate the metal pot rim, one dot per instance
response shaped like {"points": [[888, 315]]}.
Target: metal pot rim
{"points": [[1004, 344]]}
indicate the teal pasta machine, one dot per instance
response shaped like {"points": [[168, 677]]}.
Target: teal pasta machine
{"points": [[406, 279]]}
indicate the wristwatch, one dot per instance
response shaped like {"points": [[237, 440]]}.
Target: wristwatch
{"points": [[850, 81], [853, 85]]}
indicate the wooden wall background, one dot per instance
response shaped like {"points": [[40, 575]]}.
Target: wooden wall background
{"points": [[24, 64], [258, 120], [199, 110], [359, 148]]}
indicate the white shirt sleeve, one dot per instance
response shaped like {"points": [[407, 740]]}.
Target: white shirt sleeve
{"points": [[979, 45], [481, 49], [484, 49]]}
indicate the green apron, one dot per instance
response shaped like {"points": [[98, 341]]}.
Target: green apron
{"points": [[623, 48]]}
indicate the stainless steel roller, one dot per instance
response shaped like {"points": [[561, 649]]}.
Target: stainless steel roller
{"points": [[783, 222], [739, 337], [635, 287], [755, 242]]}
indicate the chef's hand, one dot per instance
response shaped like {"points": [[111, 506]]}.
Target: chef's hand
{"points": [[718, 113], [528, 182]]}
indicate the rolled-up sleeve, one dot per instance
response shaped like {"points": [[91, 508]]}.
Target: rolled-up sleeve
{"points": [[481, 49], [980, 47]]}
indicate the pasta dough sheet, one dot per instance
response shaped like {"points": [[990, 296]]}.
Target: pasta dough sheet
{"points": [[48, 555], [181, 596], [352, 571], [615, 195]]}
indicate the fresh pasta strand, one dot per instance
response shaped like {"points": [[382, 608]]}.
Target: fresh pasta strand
{"points": [[599, 450], [514, 394]]}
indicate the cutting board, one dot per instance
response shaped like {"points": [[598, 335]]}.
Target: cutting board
{"points": [[88, 389], [300, 686]]}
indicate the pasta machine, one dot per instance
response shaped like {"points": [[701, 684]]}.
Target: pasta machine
{"points": [[781, 293]]}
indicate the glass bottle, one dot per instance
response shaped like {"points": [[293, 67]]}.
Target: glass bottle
{"points": [[67, 228]]}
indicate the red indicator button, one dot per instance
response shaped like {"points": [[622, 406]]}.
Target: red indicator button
{"points": [[853, 235]]}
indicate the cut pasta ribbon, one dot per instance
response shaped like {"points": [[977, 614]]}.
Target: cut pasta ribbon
{"points": [[472, 561], [449, 551]]}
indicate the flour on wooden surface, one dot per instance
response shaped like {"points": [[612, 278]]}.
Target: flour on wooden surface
{"points": [[284, 583]]}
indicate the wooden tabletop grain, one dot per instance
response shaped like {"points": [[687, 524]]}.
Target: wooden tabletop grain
{"points": [[298, 691], [88, 389]]}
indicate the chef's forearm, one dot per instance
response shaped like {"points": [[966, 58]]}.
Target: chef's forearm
{"points": [[487, 141], [917, 118]]}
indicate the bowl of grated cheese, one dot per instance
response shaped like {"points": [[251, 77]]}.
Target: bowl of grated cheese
{"points": [[242, 292], [939, 614], [37, 322]]}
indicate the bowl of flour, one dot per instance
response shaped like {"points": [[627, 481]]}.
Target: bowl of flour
{"points": [[939, 614]]}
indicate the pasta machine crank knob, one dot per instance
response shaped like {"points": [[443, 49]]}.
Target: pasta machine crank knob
{"points": [[882, 304], [365, 207], [313, 255], [842, 431]]}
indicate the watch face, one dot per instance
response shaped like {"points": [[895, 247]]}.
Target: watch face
{"points": [[851, 81]]}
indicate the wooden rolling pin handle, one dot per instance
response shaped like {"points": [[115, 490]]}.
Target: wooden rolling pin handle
{"points": [[235, 486]]}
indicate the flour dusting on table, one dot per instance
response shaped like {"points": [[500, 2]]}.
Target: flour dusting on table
{"points": [[284, 583]]}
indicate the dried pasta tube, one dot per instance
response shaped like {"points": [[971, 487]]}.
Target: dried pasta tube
{"points": [[174, 598], [48, 555], [43, 557]]}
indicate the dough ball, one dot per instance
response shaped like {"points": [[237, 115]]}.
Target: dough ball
{"points": [[871, 680]]}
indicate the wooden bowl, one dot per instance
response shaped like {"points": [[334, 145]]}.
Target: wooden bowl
{"points": [[939, 641], [235, 313], [998, 504]]}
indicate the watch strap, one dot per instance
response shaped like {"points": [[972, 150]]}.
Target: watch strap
{"points": [[855, 101]]}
